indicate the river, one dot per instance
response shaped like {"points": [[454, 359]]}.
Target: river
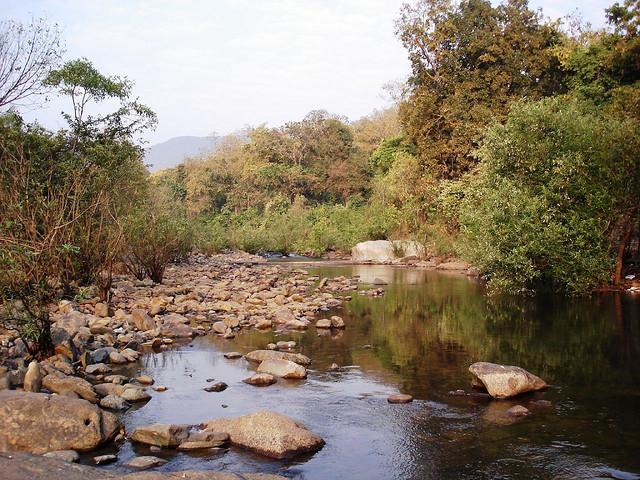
{"points": [[419, 338]]}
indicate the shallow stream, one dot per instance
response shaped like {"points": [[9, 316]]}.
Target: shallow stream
{"points": [[419, 338]]}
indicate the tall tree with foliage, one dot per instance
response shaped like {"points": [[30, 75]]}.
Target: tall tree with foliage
{"points": [[470, 60]]}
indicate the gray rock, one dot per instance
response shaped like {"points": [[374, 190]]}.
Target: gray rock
{"points": [[135, 395], [161, 435], [145, 462], [33, 378], [114, 402], [70, 456], [283, 369]]}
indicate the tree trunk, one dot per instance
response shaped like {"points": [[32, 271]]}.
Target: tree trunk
{"points": [[626, 235]]}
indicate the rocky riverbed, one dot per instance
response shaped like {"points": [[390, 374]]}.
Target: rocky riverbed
{"points": [[69, 402]]}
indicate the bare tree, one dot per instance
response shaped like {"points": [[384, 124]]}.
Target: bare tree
{"points": [[28, 52]]}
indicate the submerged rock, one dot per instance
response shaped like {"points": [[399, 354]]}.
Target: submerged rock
{"points": [[268, 433], [145, 462], [505, 381], [40, 423], [518, 411]]}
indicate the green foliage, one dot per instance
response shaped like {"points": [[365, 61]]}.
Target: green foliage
{"points": [[381, 160], [299, 229], [154, 237], [550, 181], [470, 60]]}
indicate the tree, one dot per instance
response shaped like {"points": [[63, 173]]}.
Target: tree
{"points": [[28, 52], [470, 61], [84, 85]]}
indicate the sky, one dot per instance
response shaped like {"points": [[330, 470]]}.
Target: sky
{"points": [[216, 66]]}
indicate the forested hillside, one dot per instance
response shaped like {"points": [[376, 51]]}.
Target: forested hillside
{"points": [[513, 144]]}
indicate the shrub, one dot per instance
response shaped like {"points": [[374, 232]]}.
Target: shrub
{"points": [[551, 182]]}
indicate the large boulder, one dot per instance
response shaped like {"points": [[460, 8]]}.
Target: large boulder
{"points": [[504, 381], [385, 250], [40, 423], [268, 433], [258, 356], [283, 369], [57, 382]]}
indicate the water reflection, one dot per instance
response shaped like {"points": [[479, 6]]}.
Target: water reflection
{"points": [[423, 335]]}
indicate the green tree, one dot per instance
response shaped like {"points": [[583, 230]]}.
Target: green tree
{"points": [[470, 61]]}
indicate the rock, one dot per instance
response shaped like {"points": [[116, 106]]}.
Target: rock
{"points": [[504, 381], [216, 387], [157, 306], [114, 402], [33, 378], [204, 439], [62, 343], [173, 327], [142, 320], [5, 382], [271, 346], [104, 459], [260, 355], [284, 315], [282, 345], [101, 310], [542, 403], [260, 380], [232, 355], [97, 369], [160, 388], [135, 395], [333, 367], [399, 398], [518, 411], [198, 445], [283, 368], [296, 325], [145, 380], [161, 435], [385, 251], [21, 466], [70, 456], [117, 358], [263, 324], [101, 355], [106, 389], [379, 281], [145, 462], [59, 383], [39, 423], [268, 433], [323, 323], [219, 327], [337, 322]]}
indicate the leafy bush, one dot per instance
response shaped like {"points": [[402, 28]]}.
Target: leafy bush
{"points": [[551, 182], [155, 238]]}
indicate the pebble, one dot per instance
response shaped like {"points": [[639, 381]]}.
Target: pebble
{"points": [[70, 456]]}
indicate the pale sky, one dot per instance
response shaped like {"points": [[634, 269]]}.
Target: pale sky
{"points": [[219, 65]]}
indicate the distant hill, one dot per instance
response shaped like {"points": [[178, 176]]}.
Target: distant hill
{"points": [[175, 150]]}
